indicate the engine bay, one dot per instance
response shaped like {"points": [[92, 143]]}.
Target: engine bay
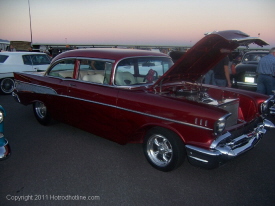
{"points": [[193, 92], [199, 93]]}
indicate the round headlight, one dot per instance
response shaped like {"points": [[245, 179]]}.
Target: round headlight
{"points": [[221, 124]]}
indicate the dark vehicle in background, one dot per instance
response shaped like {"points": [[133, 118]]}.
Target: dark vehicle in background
{"points": [[54, 51], [246, 76]]}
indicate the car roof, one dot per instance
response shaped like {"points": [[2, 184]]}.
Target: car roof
{"points": [[108, 53]]}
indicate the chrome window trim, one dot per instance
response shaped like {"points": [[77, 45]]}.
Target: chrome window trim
{"points": [[79, 58], [90, 58]]}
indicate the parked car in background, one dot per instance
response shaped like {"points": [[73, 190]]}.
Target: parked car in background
{"points": [[4, 146], [136, 96], [19, 62], [246, 75]]}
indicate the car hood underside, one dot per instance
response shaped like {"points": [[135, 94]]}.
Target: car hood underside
{"points": [[205, 54]]}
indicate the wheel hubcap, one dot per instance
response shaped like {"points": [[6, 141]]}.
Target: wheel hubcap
{"points": [[159, 150], [40, 109], [7, 85]]}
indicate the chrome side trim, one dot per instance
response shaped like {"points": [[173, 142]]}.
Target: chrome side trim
{"points": [[23, 86], [167, 119], [137, 112], [16, 97]]}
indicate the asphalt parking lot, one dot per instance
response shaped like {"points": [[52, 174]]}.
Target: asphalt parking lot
{"points": [[62, 165]]}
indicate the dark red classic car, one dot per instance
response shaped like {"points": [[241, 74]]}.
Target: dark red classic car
{"points": [[136, 96]]}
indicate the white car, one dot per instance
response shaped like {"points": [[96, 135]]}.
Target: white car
{"points": [[19, 62]]}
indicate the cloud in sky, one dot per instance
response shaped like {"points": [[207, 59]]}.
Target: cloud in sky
{"points": [[164, 22]]}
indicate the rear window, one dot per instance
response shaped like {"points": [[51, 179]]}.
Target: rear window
{"points": [[36, 59], [140, 70], [3, 58]]}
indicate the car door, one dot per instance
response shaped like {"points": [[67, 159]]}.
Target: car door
{"points": [[91, 103], [58, 78]]}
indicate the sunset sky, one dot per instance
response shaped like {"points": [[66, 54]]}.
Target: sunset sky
{"points": [[146, 22]]}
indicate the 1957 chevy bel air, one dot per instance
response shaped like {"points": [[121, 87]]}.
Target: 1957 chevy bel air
{"points": [[136, 96]]}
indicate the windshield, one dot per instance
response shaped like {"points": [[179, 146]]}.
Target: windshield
{"points": [[253, 57], [36, 59], [133, 71]]}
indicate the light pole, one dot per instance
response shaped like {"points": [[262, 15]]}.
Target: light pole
{"points": [[30, 20]]}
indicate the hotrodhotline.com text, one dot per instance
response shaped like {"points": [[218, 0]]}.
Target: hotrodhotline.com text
{"points": [[51, 197]]}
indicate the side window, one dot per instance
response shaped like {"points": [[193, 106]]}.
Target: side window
{"points": [[3, 58], [125, 73], [36, 59], [63, 69], [95, 71], [141, 70], [40, 59], [126, 65], [27, 59]]}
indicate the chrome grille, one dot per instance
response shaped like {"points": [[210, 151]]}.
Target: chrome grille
{"points": [[231, 106]]}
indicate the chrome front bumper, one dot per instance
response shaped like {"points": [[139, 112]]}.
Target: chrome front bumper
{"points": [[224, 148]]}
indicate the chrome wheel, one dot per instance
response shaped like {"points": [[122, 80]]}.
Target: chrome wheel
{"points": [[159, 150], [40, 110], [7, 85], [41, 113], [163, 149]]}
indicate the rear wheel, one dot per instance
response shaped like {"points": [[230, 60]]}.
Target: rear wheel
{"points": [[7, 85], [41, 113], [163, 149]]}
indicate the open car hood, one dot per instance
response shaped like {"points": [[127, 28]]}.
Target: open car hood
{"points": [[205, 54]]}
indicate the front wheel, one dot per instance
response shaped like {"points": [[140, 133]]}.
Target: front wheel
{"points": [[163, 149], [41, 113], [7, 85]]}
